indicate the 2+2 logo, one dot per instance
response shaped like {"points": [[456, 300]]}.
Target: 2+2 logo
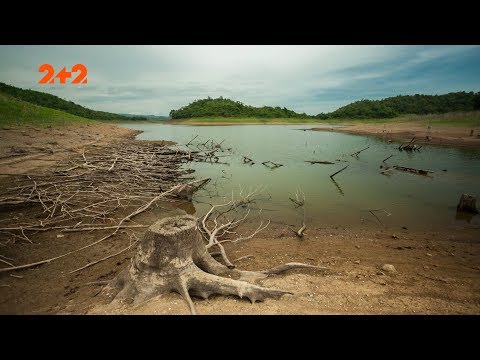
{"points": [[63, 75]]}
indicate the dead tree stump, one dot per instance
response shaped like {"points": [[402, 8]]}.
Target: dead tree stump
{"points": [[467, 203], [173, 257]]}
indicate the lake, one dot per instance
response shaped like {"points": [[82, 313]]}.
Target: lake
{"points": [[399, 199]]}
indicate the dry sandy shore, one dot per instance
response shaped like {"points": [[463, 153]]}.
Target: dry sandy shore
{"points": [[437, 272], [441, 135]]}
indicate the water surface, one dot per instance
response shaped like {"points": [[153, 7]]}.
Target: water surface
{"points": [[404, 199]]}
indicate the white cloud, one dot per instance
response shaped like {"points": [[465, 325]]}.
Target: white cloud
{"points": [[156, 79]]}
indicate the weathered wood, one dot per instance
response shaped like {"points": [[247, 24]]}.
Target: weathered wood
{"points": [[247, 160], [319, 162], [359, 151], [338, 187], [467, 203], [339, 171], [172, 257], [271, 164], [387, 158], [412, 170]]}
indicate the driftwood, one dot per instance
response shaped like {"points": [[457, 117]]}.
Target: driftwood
{"points": [[410, 146], [172, 257], [386, 158], [388, 170], [271, 164], [94, 190], [216, 224], [337, 186], [412, 170], [297, 200], [339, 171], [359, 151], [372, 211], [87, 190], [300, 202], [247, 160], [467, 203], [319, 162], [126, 218]]}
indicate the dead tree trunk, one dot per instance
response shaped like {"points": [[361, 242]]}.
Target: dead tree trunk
{"points": [[467, 203], [172, 257]]}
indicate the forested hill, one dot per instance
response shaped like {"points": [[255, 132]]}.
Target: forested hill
{"points": [[221, 107], [406, 104], [54, 102]]}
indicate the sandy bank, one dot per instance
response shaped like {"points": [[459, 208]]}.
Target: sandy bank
{"points": [[404, 132], [436, 272]]}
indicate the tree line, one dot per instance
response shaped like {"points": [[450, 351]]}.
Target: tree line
{"points": [[54, 102], [221, 107], [406, 104]]}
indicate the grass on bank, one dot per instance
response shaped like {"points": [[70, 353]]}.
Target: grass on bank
{"points": [[18, 112], [455, 119]]}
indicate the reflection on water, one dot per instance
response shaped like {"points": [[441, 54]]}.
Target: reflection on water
{"points": [[412, 200]]}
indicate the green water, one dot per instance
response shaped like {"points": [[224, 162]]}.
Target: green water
{"points": [[407, 199]]}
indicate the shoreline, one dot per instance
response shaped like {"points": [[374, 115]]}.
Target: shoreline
{"points": [[404, 132], [438, 272], [226, 123]]}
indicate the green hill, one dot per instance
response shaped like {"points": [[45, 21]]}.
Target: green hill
{"points": [[227, 108], [407, 105], [54, 102], [15, 111]]}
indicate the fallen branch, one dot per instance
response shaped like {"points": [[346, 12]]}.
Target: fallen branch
{"points": [[105, 258], [339, 171], [271, 164], [191, 140], [214, 233], [359, 151], [387, 158], [126, 218], [114, 162], [298, 202], [247, 160], [319, 162], [104, 228], [412, 170], [338, 186]]}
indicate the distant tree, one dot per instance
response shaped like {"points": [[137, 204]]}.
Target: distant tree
{"points": [[222, 107], [476, 101], [406, 104]]}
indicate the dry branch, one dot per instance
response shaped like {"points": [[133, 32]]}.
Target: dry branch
{"points": [[386, 158], [359, 151], [412, 170], [87, 191], [339, 171], [271, 164], [319, 162], [297, 200], [216, 224]]}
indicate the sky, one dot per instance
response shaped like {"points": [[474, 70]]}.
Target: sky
{"points": [[144, 79]]}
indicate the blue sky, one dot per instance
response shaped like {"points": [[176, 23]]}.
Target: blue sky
{"points": [[312, 79]]}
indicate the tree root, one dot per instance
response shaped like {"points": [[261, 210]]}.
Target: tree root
{"points": [[172, 257]]}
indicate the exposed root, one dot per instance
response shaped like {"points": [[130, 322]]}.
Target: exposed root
{"points": [[172, 257]]}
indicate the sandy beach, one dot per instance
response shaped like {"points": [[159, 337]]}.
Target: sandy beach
{"points": [[404, 132]]}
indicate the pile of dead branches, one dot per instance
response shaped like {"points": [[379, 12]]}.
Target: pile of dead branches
{"points": [[206, 151], [88, 191]]}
